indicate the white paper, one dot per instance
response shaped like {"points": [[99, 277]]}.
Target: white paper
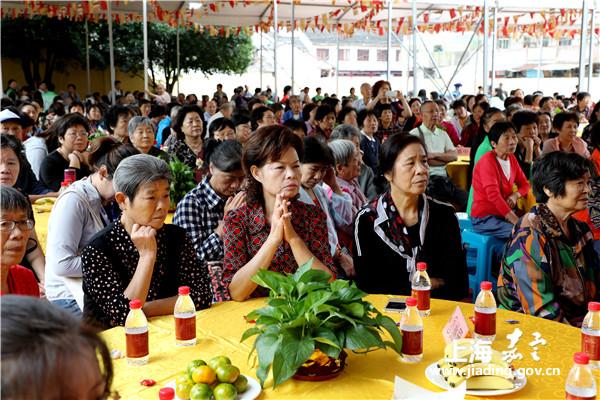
{"points": [[405, 390]]}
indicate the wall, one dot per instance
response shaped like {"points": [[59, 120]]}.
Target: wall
{"points": [[100, 80]]}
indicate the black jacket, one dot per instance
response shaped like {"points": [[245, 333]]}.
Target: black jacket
{"points": [[381, 269]]}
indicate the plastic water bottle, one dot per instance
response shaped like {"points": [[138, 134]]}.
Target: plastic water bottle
{"points": [[136, 333], [581, 383], [421, 289], [590, 334], [485, 313], [411, 325], [185, 318]]}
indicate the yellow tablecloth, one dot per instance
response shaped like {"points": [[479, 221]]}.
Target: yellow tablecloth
{"points": [[42, 215], [369, 376]]}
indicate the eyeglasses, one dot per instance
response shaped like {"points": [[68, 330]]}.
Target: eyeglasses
{"points": [[9, 226], [75, 134]]}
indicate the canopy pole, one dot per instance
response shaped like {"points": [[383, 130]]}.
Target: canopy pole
{"points": [[87, 58], [275, 22], [178, 54], [261, 58], [337, 61], [540, 72], [111, 55], [494, 34], [414, 46], [486, 31], [389, 40], [293, 42], [591, 50], [145, 33], [584, 15]]}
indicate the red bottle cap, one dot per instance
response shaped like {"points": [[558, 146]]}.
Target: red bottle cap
{"points": [[166, 393], [593, 306], [64, 183], [581, 358], [421, 266], [184, 290], [486, 285], [135, 304], [411, 301]]}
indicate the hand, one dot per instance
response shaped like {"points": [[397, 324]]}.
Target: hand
{"points": [[537, 141], [400, 94], [347, 263], [289, 233], [330, 180], [512, 200], [234, 202], [277, 220], [42, 290], [436, 283], [144, 239]]}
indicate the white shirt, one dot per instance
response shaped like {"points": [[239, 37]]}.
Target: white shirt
{"points": [[505, 164], [437, 141], [35, 152], [163, 99]]}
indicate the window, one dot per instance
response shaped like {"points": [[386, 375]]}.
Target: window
{"points": [[398, 55], [323, 54], [565, 41], [362, 55], [344, 55], [546, 42], [503, 43], [530, 42], [438, 48], [324, 73], [381, 55]]}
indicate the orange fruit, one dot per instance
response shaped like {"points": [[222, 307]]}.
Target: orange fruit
{"points": [[217, 361], [241, 384], [225, 391], [203, 374]]}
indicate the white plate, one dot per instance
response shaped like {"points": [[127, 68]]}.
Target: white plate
{"points": [[433, 375], [251, 393]]}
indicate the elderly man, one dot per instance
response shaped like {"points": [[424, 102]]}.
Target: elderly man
{"points": [[440, 151], [162, 97], [365, 91]]}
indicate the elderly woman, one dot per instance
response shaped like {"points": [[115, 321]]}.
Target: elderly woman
{"points": [[79, 213], [36, 337], [403, 227], [495, 176], [187, 144], [116, 120], [138, 256], [272, 230], [324, 122], [141, 136], [550, 268], [72, 133], [347, 168], [222, 129], [201, 211], [318, 167], [565, 124], [15, 226], [11, 163]]}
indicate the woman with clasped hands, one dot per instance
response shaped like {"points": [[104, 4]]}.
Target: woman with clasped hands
{"points": [[273, 230], [139, 256]]}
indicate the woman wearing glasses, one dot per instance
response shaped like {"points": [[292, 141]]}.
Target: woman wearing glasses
{"points": [[15, 226], [72, 135]]}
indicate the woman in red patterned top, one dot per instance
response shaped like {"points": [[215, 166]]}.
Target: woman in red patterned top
{"points": [[15, 226], [273, 230]]}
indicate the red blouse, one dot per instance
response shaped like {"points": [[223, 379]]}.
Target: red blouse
{"points": [[22, 281], [246, 230]]}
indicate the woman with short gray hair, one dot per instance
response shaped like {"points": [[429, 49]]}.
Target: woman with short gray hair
{"points": [[347, 168], [139, 256], [142, 135], [366, 178]]}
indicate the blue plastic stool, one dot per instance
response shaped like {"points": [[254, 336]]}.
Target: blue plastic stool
{"points": [[480, 250], [464, 222]]}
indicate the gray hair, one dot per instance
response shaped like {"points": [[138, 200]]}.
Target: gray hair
{"points": [[343, 151], [12, 200], [174, 112], [226, 106], [137, 170], [345, 131], [137, 121]]}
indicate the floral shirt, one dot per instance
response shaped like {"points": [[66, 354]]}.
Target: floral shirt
{"points": [[546, 274], [183, 152], [246, 230]]}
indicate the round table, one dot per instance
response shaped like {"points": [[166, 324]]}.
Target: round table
{"points": [[369, 376]]}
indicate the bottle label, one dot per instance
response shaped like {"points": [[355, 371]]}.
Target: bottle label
{"points": [[569, 396], [422, 297], [412, 341], [185, 328], [485, 323], [137, 344], [591, 345]]}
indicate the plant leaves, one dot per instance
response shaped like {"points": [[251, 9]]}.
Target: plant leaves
{"points": [[390, 326], [292, 353], [270, 280], [266, 346], [250, 332], [361, 337], [307, 266]]}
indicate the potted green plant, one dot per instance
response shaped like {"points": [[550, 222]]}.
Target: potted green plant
{"points": [[183, 180], [306, 315]]}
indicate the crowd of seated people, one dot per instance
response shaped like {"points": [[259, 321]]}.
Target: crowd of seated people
{"points": [[357, 184]]}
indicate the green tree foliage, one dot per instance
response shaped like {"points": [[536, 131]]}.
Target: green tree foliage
{"points": [[60, 45]]}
